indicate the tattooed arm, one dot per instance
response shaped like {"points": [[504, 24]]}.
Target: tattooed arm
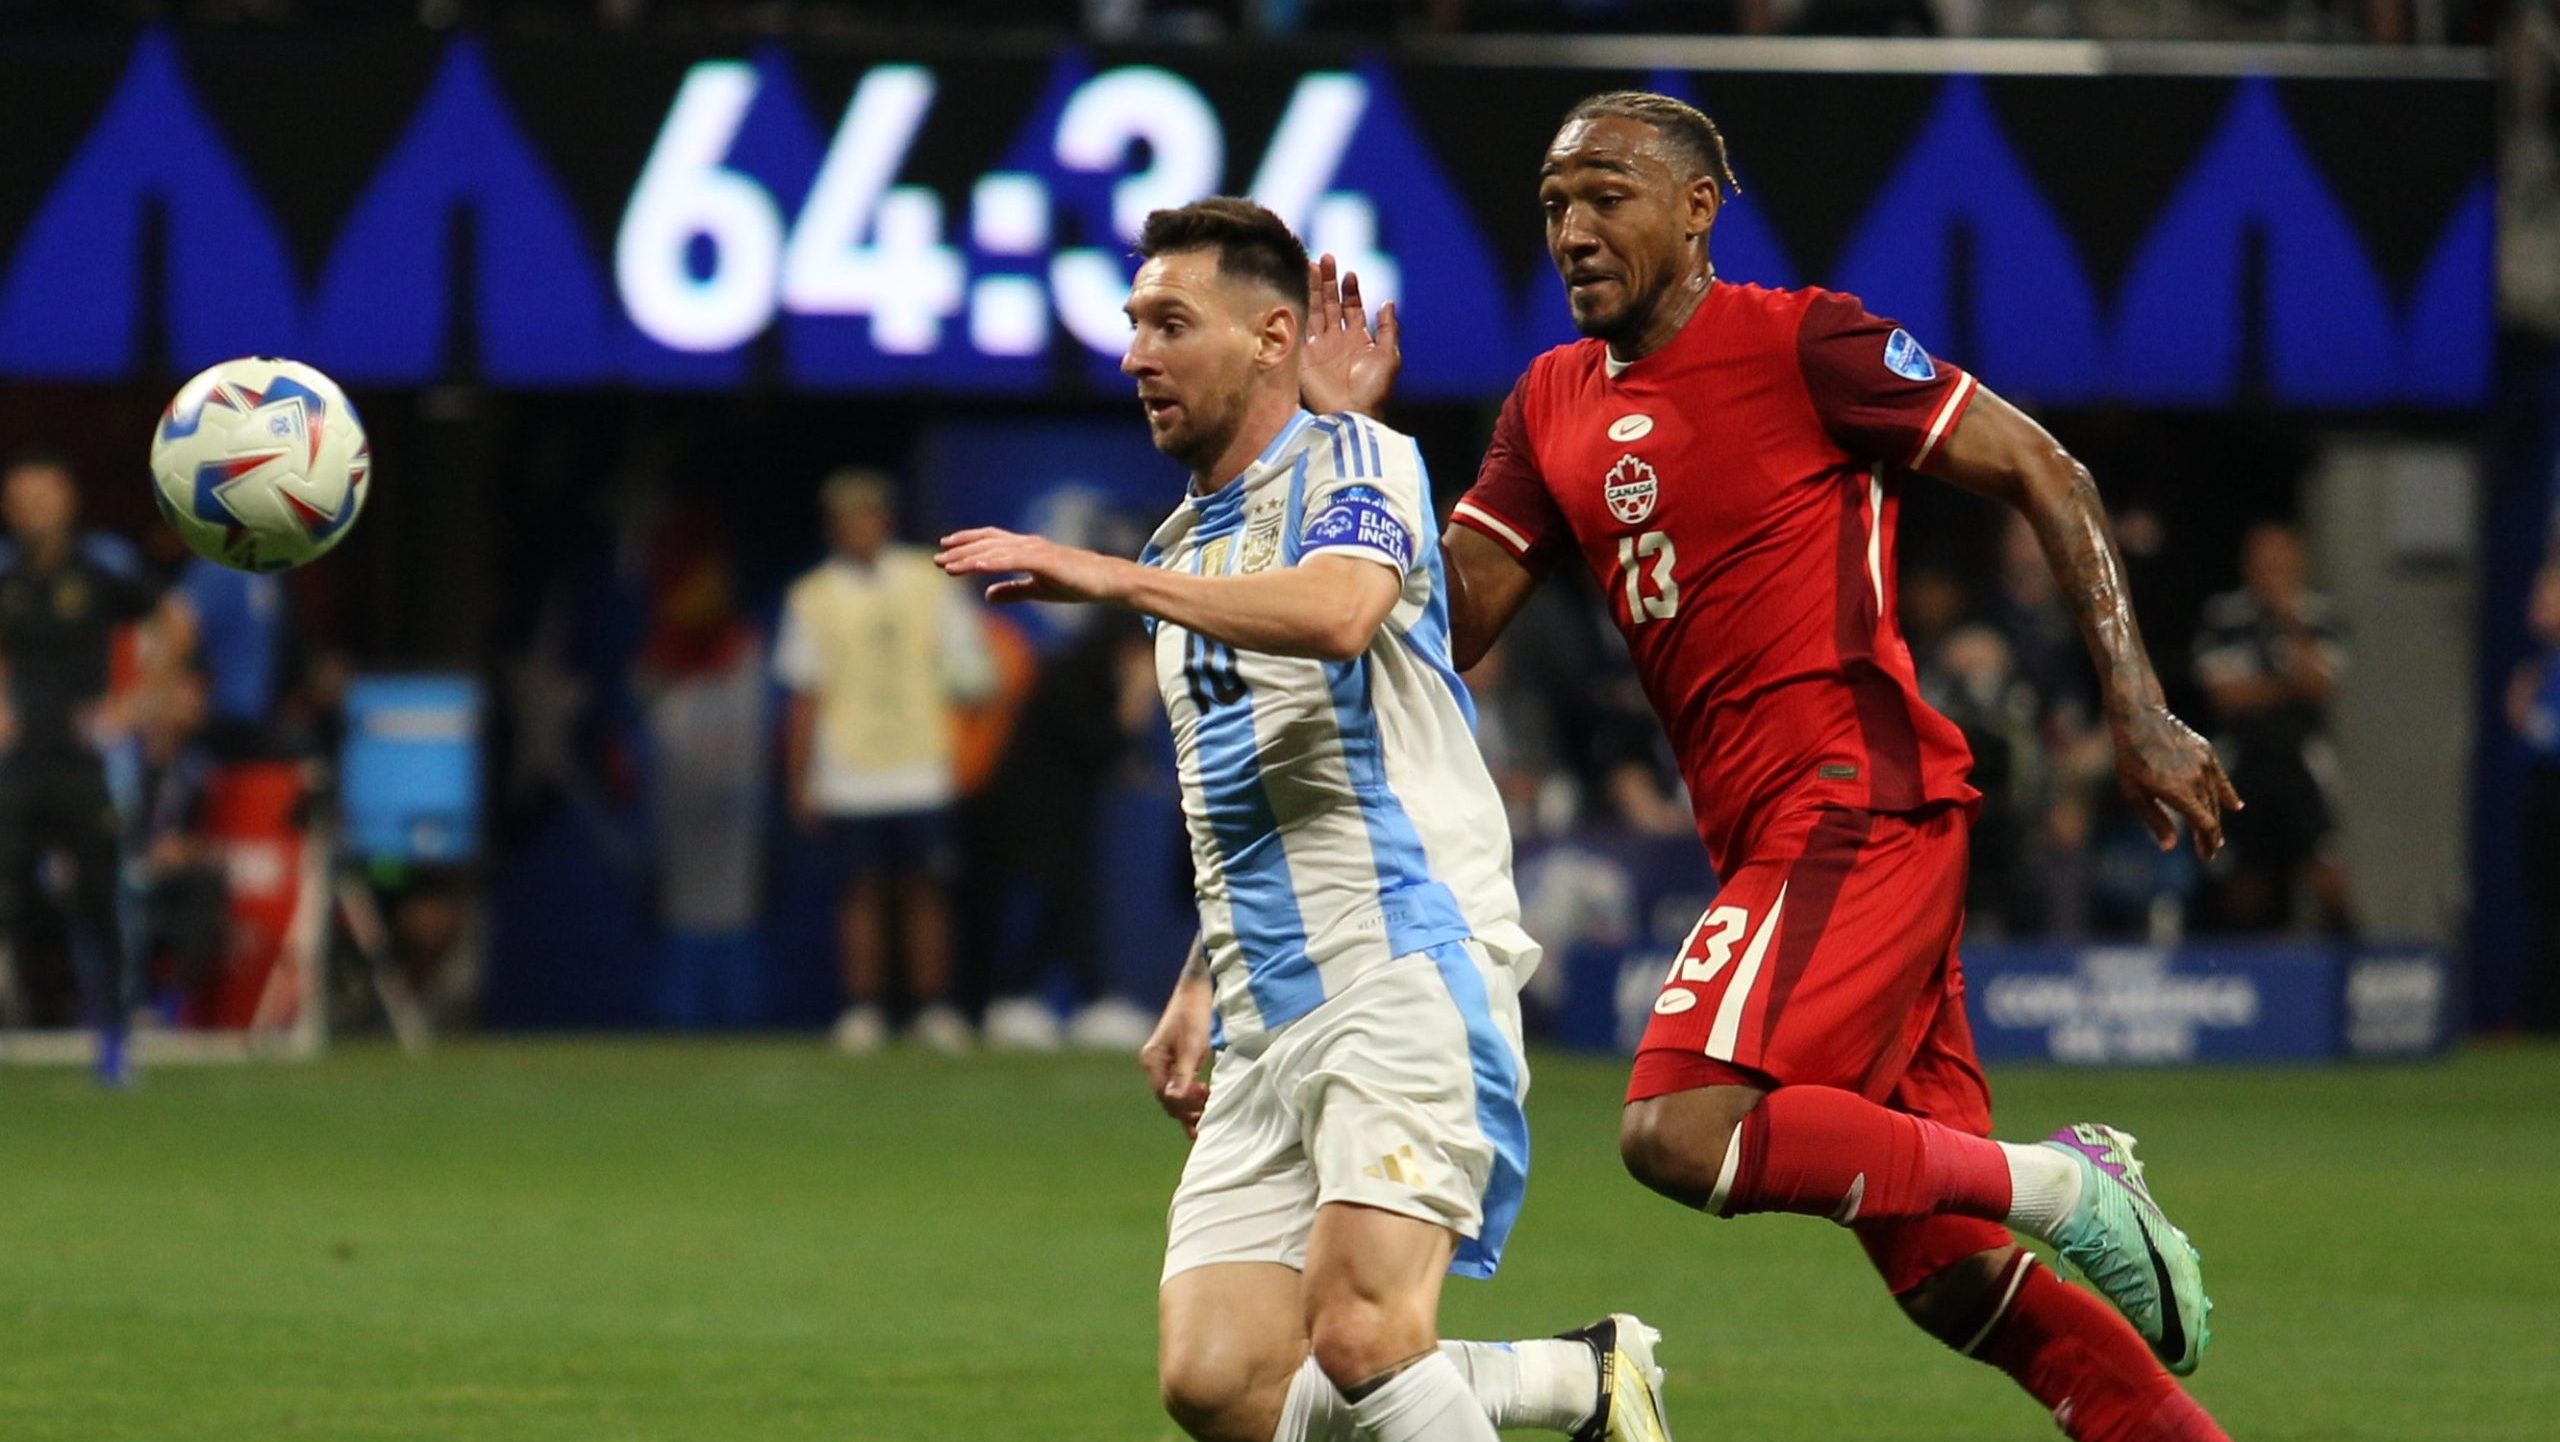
{"points": [[2165, 768]]}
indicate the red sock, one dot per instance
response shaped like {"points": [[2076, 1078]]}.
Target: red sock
{"points": [[2089, 1367], [1822, 1152]]}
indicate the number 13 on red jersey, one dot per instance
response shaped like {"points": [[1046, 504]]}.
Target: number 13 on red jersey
{"points": [[1663, 600]]}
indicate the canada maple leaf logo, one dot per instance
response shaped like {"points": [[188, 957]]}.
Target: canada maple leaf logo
{"points": [[1630, 489]]}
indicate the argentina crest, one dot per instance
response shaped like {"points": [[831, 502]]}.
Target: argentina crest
{"points": [[1261, 539], [1630, 488]]}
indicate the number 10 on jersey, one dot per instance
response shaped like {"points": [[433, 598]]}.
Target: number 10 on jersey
{"points": [[1663, 600], [1210, 669]]}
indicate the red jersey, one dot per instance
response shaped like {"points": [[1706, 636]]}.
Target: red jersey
{"points": [[1736, 493]]}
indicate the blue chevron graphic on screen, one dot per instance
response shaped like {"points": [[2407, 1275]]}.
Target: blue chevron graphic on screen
{"points": [[806, 226], [539, 309], [2033, 316], [2330, 330], [72, 296]]}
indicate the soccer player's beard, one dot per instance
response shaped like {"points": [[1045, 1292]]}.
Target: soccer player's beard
{"points": [[1204, 434], [1627, 327], [1619, 327]]}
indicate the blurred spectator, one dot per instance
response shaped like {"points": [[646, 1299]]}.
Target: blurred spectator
{"points": [[2269, 656], [1975, 686], [2044, 639], [2128, 886], [1639, 776], [59, 607], [430, 907], [237, 624], [1038, 822], [1516, 730], [876, 644], [702, 694], [2073, 814], [2533, 709], [1933, 605], [1562, 649], [185, 884]]}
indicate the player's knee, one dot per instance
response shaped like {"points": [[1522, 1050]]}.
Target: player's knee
{"points": [[1215, 1395], [1958, 1302], [1358, 1339], [1674, 1149]]}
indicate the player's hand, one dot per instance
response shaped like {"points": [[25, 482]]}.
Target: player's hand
{"points": [[1038, 569], [1175, 1053], [2170, 774], [1346, 367]]}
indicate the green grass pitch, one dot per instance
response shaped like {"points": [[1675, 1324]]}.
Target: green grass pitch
{"points": [[523, 1241]]}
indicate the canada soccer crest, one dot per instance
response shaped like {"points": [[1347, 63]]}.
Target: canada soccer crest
{"points": [[1630, 488]]}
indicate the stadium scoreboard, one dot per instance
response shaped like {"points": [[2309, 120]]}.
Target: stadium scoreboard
{"points": [[705, 258], [531, 214]]}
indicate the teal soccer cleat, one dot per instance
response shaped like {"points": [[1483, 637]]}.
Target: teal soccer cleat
{"points": [[2123, 1244]]}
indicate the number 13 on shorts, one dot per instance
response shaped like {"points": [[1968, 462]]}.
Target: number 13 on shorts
{"points": [[1703, 963]]}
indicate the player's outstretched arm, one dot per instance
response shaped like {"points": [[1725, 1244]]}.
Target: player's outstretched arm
{"points": [[1487, 587], [1174, 1054], [1346, 366], [2168, 770], [1327, 608]]}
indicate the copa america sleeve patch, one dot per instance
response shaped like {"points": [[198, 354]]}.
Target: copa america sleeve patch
{"points": [[1358, 517], [1904, 357]]}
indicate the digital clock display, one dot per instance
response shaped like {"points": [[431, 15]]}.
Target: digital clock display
{"points": [[706, 258]]}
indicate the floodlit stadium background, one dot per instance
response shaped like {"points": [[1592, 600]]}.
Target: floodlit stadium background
{"points": [[617, 286]]}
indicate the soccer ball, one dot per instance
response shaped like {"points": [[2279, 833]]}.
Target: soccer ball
{"points": [[260, 464]]}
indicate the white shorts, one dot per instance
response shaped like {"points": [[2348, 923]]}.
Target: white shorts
{"points": [[1403, 1093]]}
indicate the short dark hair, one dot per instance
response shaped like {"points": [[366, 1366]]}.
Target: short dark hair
{"points": [[1251, 242], [1687, 127]]}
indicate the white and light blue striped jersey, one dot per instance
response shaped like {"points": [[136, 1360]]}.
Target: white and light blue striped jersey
{"points": [[1340, 814]]}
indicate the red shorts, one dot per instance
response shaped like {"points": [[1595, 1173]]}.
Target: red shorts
{"points": [[1830, 960]]}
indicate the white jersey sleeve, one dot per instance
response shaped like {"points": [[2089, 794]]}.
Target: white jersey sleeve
{"points": [[1366, 494]]}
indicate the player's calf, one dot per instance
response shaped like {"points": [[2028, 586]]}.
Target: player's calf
{"points": [[2085, 1363], [1682, 1144], [1826, 1152], [1999, 1306], [1961, 1303]]}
